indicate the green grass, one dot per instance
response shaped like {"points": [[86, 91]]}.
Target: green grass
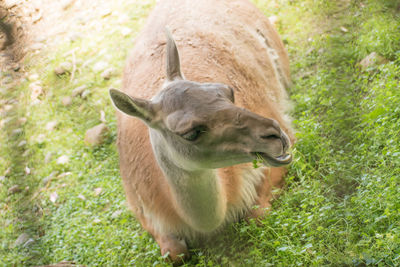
{"points": [[341, 206]]}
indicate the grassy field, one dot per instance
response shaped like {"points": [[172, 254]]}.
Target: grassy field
{"points": [[341, 205]]}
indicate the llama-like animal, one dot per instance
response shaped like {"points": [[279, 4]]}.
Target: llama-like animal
{"points": [[187, 142]]}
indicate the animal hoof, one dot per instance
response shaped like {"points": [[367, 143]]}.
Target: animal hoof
{"points": [[176, 248]]}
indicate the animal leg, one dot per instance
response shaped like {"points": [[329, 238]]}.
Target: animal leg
{"points": [[169, 243]]}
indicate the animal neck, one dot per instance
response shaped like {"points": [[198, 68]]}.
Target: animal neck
{"points": [[197, 194]]}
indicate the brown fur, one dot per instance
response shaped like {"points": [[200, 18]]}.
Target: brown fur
{"points": [[218, 41]]}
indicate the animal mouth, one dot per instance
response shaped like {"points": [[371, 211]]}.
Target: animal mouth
{"points": [[281, 160]]}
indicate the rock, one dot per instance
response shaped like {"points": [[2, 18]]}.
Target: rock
{"points": [[22, 239], [75, 37], [78, 91], [8, 107], [7, 80], [66, 101], [53, 197], [48, 178], [8, 4], [125, 31], [36, 46], [63, 68], [95, 136], [64, 159], [85, 94], [372, 59], [105, 12], [40, 138], [97, 191], [33, 77], [22, 143], [344, 29], [100, 66], [48, 157], [64, 174], [16, 131], [22, 121], [14, 189], [107, 74], [67, 4], [102, 116], [36, 90], [116, 214], [51, 125], [274, 20]]}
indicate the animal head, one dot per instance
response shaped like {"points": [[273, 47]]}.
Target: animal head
{"points": [[198, 125]]}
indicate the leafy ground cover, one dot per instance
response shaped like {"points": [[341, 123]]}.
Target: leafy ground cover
{"points": [[341, 205]]}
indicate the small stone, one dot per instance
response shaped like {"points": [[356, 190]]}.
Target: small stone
{"points": [[48, 157], [7, 172], [78, 91], [343, 29], [125, 31], [7, 80], [40, 138], [95, 136], [8, 107], [106, 75], [97, 191], [85, 94], [67, 4], [81, 197], [33, 77], [64, 159], [66, 101], [105, 12], [63, 68], [36, 91], [372, 59], [48, 178], [100, 66], [64, 174], [14, 189], [51, 125], [36, 46], [22, 143], [53, 197], [116, 214], [22, 239], [16, 131], [274, 20], [22, 121], [102, 116], [75, 37], [3, 122]]}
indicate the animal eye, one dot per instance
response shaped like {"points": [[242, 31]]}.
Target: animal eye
{"points": [[194, 134]]}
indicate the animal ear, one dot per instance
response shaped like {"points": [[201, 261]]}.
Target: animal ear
{"points": [[173, 63], [136, 107]]}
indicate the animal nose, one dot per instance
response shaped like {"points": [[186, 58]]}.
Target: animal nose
{"points": [[269, 137], [282, 137]]}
